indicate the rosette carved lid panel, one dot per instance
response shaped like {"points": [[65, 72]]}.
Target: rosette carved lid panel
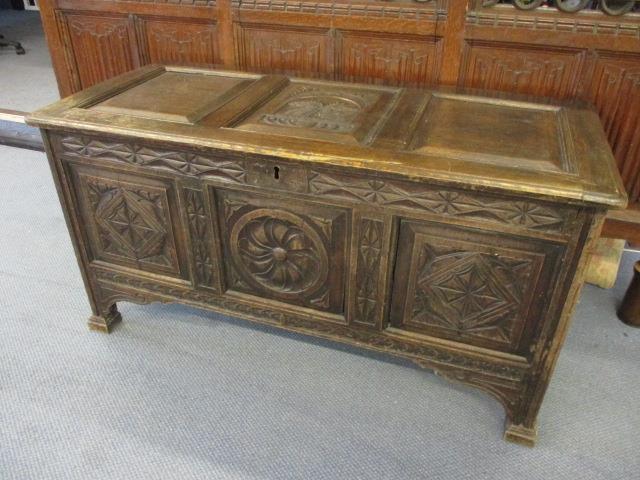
{"points": [[449, 229]]}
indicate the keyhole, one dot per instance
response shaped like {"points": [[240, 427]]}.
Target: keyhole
{"points": [[276, 173]]}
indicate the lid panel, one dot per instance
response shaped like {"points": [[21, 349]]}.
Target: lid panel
{"points": [[485, 130], [457, 137], [174, 97]]}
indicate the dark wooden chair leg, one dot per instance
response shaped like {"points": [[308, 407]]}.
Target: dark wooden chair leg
{"points": [[629, 311]]}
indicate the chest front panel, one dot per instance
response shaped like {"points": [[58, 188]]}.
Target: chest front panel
{"points": [[367, 251]]}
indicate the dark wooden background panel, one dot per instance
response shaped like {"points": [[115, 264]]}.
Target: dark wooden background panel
{"points": [[587, 55]]}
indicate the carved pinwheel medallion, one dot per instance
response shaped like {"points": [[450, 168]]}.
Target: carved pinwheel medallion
{"points": [[279, 251]]}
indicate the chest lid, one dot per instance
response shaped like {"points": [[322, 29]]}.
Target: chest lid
{"points": [[492, 142]]}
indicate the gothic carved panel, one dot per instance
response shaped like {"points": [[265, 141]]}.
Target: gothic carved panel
{"points": [[292, 254], [130, 223], [100, 47], [305, 52], [469, 286], [178, 42], [442, 202], [615, 90], [550, 72], [390, 60]]}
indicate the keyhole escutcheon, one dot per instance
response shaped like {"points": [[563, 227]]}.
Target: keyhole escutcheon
{"points": [[276, 173]]}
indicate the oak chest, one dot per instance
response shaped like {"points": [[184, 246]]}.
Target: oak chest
{"points": [[447, 228]]}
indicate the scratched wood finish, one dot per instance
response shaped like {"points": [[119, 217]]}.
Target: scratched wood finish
{"points": [[423, 223], [591, 55]]}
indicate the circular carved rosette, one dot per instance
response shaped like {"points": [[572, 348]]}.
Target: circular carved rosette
{"points": [[280, 252]]}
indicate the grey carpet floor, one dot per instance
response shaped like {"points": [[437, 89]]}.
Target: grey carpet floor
{"points": [[27, 81], [175, 393]]}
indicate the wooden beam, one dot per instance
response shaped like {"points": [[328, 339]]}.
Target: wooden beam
{"points": [[15, 133], [623, 224]]}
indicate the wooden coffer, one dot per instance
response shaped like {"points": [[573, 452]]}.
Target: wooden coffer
{"points": [[444, 227]]}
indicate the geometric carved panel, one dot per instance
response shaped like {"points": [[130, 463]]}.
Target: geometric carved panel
{"points": [[392, 60], [550, 72], [130, 223], [280, 252], [468, 286]]}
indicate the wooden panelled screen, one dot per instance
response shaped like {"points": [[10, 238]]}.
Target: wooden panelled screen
{"points": [[563, 49]]}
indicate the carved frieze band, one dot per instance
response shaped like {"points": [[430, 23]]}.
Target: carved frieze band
{"points": [[368, 270], [395, 193], [198, 219], [185, 163], [433, 355], [195, 3], [351, 9], [442, 202]]}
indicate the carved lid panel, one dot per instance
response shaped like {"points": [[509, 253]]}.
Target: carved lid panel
{"points": [[462, 139], [318, 111]]}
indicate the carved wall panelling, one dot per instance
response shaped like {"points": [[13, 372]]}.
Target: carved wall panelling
{"points": [[276, 49], [97, 46], [388, 59], [615, 90], [548, 72], [177, 41]]}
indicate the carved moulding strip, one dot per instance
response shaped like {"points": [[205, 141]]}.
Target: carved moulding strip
{"points": [[198, 221], [184, 163], [386, 10], [553, 23], [371, 239], [192, 3], [451, 203], [146, 291]]}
